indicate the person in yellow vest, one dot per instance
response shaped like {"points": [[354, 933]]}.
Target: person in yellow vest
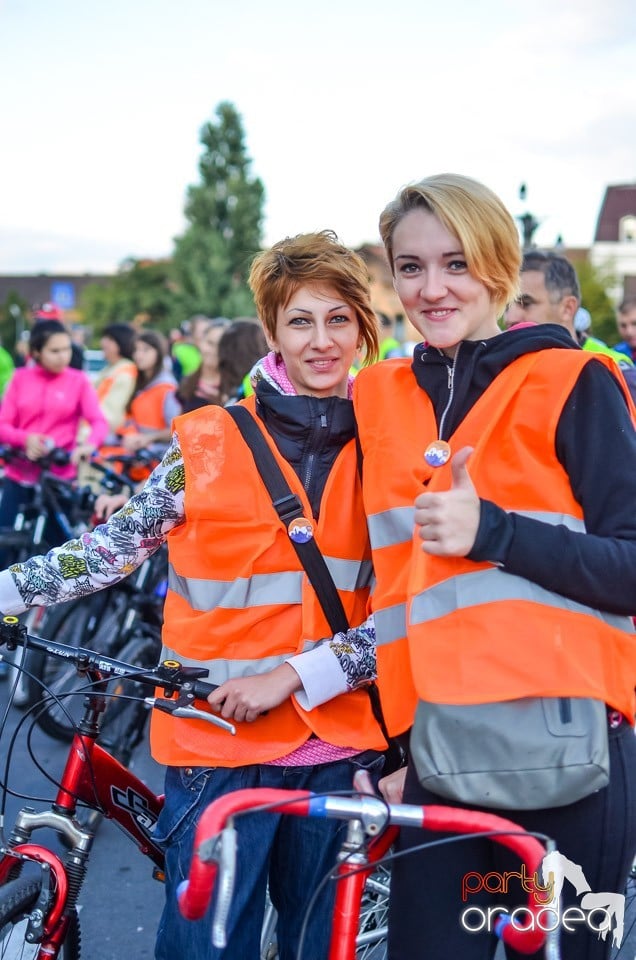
{"points": [[390, 347], [499, 479], [240, 604]]}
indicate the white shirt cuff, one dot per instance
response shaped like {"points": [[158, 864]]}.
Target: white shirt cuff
{"points": [[10, 600], [321, 675]]}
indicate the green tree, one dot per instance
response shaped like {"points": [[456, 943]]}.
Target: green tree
{"points": [[225, 211], [594, 285], [140, 287]]}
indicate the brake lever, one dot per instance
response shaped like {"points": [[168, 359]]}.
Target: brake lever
{"points": [[189, 712]]}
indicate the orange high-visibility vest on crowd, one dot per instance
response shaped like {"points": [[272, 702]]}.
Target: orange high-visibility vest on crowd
{"points": [[239, 601], [476, 633], [146, 409], [104, 386], [146, 414]]}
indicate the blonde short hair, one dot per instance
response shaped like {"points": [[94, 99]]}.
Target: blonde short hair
{"points": [[477, 217], [316, 259]]}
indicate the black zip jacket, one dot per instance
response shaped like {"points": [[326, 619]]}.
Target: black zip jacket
{"points": [[309, 432], [595, 443]]}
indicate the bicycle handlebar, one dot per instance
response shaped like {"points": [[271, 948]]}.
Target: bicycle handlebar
{"points": [[211, 855], [187, 682], [57, 457]]}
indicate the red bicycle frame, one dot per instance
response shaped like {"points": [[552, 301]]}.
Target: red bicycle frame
{"points": [[93, 777], [215, 842]]}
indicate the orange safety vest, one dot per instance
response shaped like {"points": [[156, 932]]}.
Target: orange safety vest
{"points": [[104, 386], [476, 633], [239, 602], [146, 413], [390, 416]]}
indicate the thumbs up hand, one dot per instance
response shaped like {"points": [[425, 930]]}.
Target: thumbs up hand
{"points": [[449, 520]]}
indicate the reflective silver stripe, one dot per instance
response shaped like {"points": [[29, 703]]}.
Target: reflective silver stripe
{"points": [[390, 624], [264, 589], [260, 590], [396, 526], [350, 574], [391, 527], [221, 670], [491, 586]]}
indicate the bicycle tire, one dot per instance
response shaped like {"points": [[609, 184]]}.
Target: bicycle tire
{"points": [[17, 900], [20, 541], [125, 719], [60, 677], [39, 622], [25, 689]]}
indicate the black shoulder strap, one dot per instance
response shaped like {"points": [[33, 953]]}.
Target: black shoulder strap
{"points": [[288, 507]]}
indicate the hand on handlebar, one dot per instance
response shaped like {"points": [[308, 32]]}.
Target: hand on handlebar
{"points": [[135, 441], [246, 698], [83, 451], [107, 503], [392, 787], [37, 445]]}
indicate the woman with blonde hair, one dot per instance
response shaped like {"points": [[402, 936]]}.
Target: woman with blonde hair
{"points": [[504, 549]]}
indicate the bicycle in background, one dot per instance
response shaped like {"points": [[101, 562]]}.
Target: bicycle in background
{"points": [[39, 887], [50, 503], [107, 620]]}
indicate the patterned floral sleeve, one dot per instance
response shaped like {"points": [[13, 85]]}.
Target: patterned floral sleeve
{"points": [[355, 651], [113, 549]]}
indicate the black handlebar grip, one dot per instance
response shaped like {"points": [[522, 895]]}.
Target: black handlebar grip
{"points": [[202, 689]]}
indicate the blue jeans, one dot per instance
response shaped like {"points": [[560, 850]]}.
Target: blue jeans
{"points": [[293, 854]]}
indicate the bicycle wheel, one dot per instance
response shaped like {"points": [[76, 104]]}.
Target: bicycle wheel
{"points": [[40, 622], [124, 722], [374, 911], [57, 676], [17, 900], [372, 925]]}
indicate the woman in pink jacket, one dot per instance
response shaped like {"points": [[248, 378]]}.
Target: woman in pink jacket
{"points": [[42, 409]]}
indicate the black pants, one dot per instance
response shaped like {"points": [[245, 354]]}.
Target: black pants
{"points": [[598, 833]]}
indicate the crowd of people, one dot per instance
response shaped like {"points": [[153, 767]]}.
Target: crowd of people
{"points": [[474, 505]]}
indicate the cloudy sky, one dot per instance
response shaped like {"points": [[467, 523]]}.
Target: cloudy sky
{"points": [[343, 102]]}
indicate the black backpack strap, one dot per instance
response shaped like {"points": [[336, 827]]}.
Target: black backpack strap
{"points": [[289, 507]]}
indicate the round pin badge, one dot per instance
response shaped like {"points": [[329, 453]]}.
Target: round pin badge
{"points": [[437, 453], [300, 530]]}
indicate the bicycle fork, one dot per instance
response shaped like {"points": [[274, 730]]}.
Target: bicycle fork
{"points": [[356, 861], [62, 877]]}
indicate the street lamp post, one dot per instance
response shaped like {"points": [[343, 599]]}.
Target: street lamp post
{"points": [[528, 221], [18, 320]]}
